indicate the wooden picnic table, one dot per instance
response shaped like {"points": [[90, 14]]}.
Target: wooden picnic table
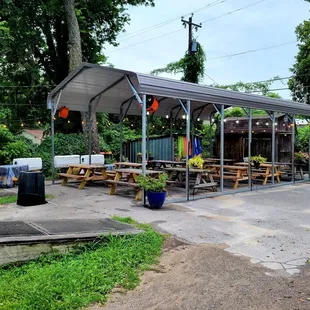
{"points": [[125, 164], [234, 173], [218, 160], [131, 179], [83, 173], [264, 171], [158, 164], [198, 178]]}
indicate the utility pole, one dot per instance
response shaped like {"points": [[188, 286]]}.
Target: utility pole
{"points": [[190, 24]]}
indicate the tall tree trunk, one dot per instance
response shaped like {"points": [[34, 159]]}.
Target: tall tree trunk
{"points": [[75, 59]]}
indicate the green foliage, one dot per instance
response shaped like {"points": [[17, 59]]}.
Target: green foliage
{"points": [[300, 84], [192, 66], [196, 162], [152, 184], [84, 276], [259, 159], [302, 140]]}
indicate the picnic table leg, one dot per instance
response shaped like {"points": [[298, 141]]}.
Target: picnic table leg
{"points": [[134, 179], [214, 189], [266, 176], [237, 180], [87, 174], [65, 180], [277, 174], [114, 186], [104, 173]]}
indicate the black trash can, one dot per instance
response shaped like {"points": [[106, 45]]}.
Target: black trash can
{"points": [[31, 189]]}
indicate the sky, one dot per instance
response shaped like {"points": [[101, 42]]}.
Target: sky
{"points": [[265, 23]]}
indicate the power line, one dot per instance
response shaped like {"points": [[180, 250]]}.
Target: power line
{"points": [[251, 51], [234, 11], [143, 30]]}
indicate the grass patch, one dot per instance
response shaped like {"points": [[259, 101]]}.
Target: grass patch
{"points": [[8, 199], [86, 275], [13, 199]]}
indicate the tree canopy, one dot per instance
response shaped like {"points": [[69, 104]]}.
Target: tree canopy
{"points": [[300, 83]]}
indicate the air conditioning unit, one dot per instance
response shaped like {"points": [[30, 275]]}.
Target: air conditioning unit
{"points": [[63, 161], [33, 163], [95, 159]]}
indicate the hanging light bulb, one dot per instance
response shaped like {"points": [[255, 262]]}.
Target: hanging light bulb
{"points": [[39, 122], [83, 122], [4, 126], [212, 120], [131, 125], [198, 119], [167, 116], [257, 123], [22, 124], [276, 124], [267, 124], [97, 123], [232, 131], [225, 120], [183, 116], [147, 113], [69, 122], [237, 121], [153, 126], [163, 127], [54, 118]]}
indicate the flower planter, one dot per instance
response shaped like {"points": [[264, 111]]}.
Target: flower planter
{"points": [[156, 199], [256, 164]]}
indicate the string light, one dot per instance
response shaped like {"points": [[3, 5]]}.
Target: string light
{"points": [[22, 124], [97, 123], [183, 116], [131, 125], [4, 126], [198, 119], [167, 116], [147, 113], [257, 123], [237, 121], [69, 122], [163, 127], [225, 120], [212, 120], [276, 124], [54, 118], [252, 131], [232, 131], [267, 124], [153, 126], [39, 123], [83, 122]]}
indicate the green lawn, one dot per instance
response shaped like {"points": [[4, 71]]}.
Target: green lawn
{"points": [[13, 198], [81, 277]]}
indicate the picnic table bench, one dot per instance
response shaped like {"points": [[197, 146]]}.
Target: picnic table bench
{"points": [[83, 173], [198, 178], [131, 179], [234, 173], [125, 164]]}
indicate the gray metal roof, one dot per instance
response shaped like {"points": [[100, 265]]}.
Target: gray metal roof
{"points": [[89, 80]]}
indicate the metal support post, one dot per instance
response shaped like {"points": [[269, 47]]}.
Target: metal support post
{"points": [[171, 137], [121, 136], [211, 138], [53, 141], [148, 122], [273, 147], [250, 148], [309, 156], [293, 149], [222, 149], [188, 137], [193, 136], [143, 142], [89, 133]]}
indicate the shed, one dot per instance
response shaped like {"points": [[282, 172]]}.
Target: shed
{"points": [[236, 138]]}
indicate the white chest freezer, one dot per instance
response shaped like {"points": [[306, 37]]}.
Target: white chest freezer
{"points": [[96, 159], [33, 163], [63, 161]]}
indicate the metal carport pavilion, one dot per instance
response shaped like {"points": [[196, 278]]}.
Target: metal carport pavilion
{"points": [[97, 88]]}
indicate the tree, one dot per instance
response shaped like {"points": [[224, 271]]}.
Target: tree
{"points": [[75, 59], [38, 51], [300, 83], [192, 66]]}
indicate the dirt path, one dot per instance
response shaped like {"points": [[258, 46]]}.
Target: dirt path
{"points": [[207, 277]]}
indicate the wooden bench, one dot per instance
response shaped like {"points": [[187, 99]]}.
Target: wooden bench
{"points": [[121, 183], [71, 176]]}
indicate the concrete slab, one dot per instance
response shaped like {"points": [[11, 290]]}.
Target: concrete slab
{"points": [[269, 226]]}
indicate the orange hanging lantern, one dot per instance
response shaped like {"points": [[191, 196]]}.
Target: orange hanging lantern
{"points": [[63, 112], [151, 104]]}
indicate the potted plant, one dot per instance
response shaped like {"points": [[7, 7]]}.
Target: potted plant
{"points": [[196, 162], [258, 160], [301, 158], [155, 189]]}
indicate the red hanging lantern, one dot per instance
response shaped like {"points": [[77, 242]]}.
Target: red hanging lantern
{"points": [[153, 108], [63, 112]]}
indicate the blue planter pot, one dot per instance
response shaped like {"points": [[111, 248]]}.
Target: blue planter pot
{"points": [[156, 200]]}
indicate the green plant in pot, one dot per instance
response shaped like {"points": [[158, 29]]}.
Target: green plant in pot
{"points": [[301, 158], [196, 162], [258, 160], [155, 189]]}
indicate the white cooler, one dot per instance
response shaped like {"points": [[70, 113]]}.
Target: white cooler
{"points": [[95, 159], [33, 163], [63, 161]]}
